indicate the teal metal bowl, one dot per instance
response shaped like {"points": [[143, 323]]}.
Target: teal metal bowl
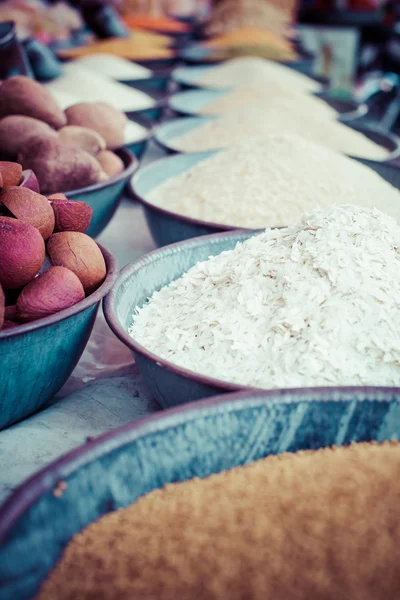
{"points": [[187, 77], [104, 197], [157, 81], [192, 103], [166, 226], [37, 358], [199, 440], [166, 134], [169, 384]]}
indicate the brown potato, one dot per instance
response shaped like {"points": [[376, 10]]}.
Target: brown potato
{"points": [[85, 138], [16, 130], [103, 118], [59, 166], [111, 164], [21, 95]]}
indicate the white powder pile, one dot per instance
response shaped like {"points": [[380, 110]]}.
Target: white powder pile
{"points": [[134, 132], [113, 66], [311, 305], [252, 69], [267, 97], [88, 86], [64, 99], [270, 182], [233, 127]]}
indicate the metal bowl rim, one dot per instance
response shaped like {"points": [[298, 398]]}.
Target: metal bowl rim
{"points": [[47, 478]]}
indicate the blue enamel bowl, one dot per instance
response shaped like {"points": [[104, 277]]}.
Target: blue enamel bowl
{"points": [[199, 440], [193, 102], [104, 197], [37, 358], [168, 227], [188, 77], [157, 81], [166, 133]]}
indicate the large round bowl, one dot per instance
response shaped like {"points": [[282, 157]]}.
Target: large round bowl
{"points": [[157, 81], [168, 227], [194, 441], [192, 103], [104, 197], [37, 358], [137, 282], [166, 134], [188, 77]]}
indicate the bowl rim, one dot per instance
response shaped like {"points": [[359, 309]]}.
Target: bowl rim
{"points": [[218, 227], [96, 296], [131, 165], [32, 488]]}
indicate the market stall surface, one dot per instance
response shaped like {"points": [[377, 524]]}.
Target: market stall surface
{"points": [[104, 391]]}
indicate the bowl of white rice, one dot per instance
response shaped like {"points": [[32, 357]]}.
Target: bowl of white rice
{"points": [[354, 137], [250, 69], [267, 181], [314, 304], [202, 102]]}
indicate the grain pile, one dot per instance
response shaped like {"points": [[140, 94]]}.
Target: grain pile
{"points": [[253, 69], [315, 304], [271, 181], [233, 127], [321, 525], [88, 86], [268, 98], [229, 15]]}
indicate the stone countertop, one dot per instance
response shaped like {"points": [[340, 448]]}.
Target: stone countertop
{"points": [[105, 389]]}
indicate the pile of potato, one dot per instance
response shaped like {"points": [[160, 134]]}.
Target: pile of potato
{"points": [[66, 150], [47, 261]]}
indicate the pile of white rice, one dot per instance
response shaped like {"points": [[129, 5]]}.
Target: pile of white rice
{"points": [[268, 97], [86, 85], [231, 128], [270, 182], [252, 69], [314, 304]]}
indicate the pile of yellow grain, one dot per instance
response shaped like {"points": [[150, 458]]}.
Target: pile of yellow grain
{"points": [[318, 525]]}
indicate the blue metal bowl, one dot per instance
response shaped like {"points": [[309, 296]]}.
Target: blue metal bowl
{"points": [[188, 77], [104, 197], [37, 358], [166, 226], [194, 441], [137, 282], [165, 133], [192, 102], [157, 82]]}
